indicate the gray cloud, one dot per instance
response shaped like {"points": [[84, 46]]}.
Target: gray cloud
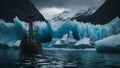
{"points": [[79, 4], [72, 5]]}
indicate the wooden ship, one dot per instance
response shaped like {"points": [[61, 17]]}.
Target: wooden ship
{"points": [[28, 45]]}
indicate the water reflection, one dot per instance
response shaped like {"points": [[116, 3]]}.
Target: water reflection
{"points": [[59, 59], [45, 61]]}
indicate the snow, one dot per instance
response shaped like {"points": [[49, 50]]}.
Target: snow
{"points": [[71, 37], [66, 39], [85, 12], [83, 41], [62, 16], [58, 42], [67, 14], [14, 43], [61, 41]]}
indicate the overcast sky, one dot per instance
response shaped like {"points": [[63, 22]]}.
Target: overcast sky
{"points": [[49, 8]]}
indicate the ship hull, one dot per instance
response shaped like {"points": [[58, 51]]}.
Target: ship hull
{"points": [[30, 47]]}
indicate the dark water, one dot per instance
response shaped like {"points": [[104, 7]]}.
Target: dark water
{"points": [[10, 58]]}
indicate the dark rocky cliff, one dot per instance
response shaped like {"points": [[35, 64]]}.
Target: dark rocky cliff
{"points": [[109, 10], [21, 8]]}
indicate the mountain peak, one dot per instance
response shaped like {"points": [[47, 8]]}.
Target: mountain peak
{"points": [[69, 14], [109, 10]]}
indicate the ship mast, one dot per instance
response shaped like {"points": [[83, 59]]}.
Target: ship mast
{"points": [[28, 45], [30, 20]]}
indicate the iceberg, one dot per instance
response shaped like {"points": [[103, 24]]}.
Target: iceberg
{"points": [[71, 39], [14, 43], [59, 28], [83, 44], [16, 31], [62, 43], [81, 30], [65, 42], [45, 31], [83, 41], [11, 31], [109, 44]]}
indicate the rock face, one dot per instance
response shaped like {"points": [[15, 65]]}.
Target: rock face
{"points": [[21, 8], [109, 10], [62, 16], [70, 14]]}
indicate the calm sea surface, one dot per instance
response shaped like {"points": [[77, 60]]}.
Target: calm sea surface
{"points": [[59, 58]]}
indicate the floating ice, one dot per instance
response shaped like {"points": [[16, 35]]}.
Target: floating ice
{"points": [[109, 44], [83, 41]]}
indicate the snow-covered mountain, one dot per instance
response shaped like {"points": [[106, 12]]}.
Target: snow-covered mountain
{"points": [[70, 14], [62, 16], [104, 14], [86, 12]]}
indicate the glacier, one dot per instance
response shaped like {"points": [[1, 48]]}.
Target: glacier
{"points": [[11, 32], [88, 30]]}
